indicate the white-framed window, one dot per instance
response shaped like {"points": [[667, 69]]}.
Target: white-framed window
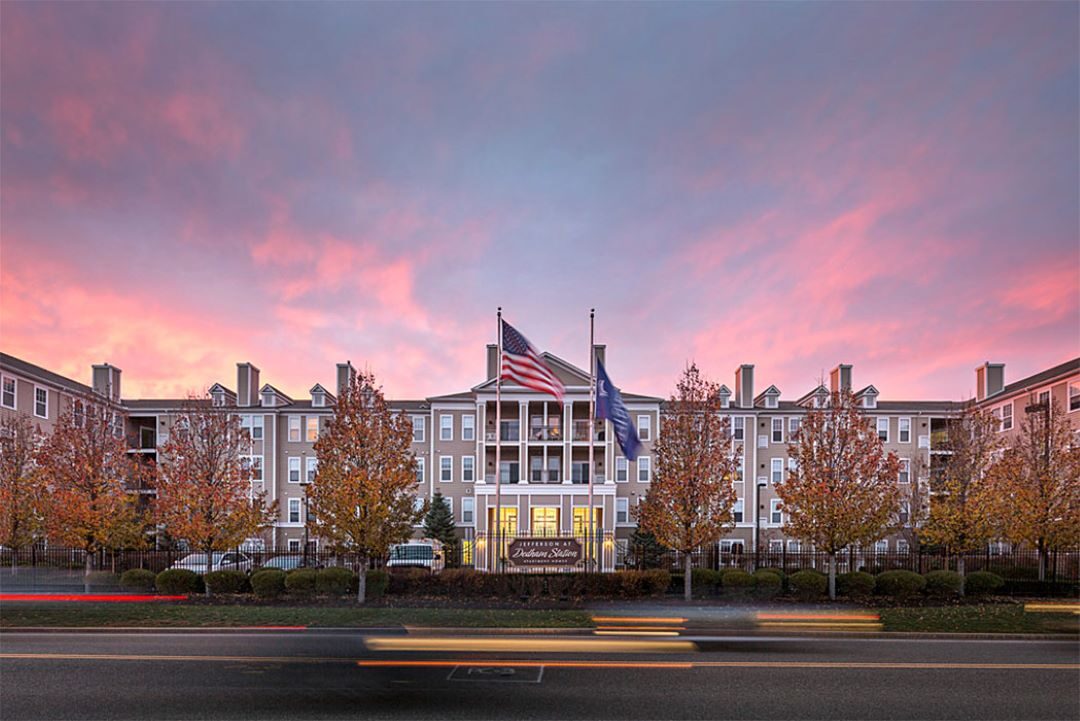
{"points": [[252, 467], [7, 397], [904, 430], [468, 510], [905, 471], [772, 401], [737, 510], [644, 427], [869, 401], [775, 514], [883, 429], [793, 428], [255, 427], [41, 402], [294, 429], [446, 468], [1044, 398], [738, 428], [468, 469], [294, 545], [446, 427], [312, 469], [294, 510], [792, 546], [777, 470], [792, 466], [318, 399], [1074, 396], [1006, 416], [901, 546], [449, 504], [468, 428], [312, 434], [217, 398], [622, 510], [622, 469], [418, 429], [644, 469], [740, 468], [294, 469], [776, 545], [881, 546], [777, 430], [418, 505], [419, 469], [725, 400]]}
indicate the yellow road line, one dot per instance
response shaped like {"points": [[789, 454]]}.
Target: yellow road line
{"points": [[528, 645]]}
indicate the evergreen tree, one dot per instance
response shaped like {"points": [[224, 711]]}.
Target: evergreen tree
{"points": [[439, 522]]}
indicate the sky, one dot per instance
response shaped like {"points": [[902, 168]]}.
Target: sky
{"points": [[892, 185]]}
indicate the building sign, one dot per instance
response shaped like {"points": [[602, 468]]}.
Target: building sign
{"points": [[544, 552]]}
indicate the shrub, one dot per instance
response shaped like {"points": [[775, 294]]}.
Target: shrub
{"points": [[376, 583], [901, 585], [943, 584], [735, 581], [177, 581], [776, 572], [705, 581], [228, 581], [809, 585], [982, 582], [335, 581], [103, 579], [657, 581], [855, 584], [137, 579], [300, 581], [767, 583], [269, 583]]}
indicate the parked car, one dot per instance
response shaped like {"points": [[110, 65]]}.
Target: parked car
{"points": [[417, 554], [221, 561], [284, 563]]}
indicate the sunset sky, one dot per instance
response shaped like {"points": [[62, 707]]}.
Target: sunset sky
{"points": [[188, 185]]}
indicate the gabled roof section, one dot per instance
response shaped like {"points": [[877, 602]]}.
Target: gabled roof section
{"points": [[318, 388], [1072, 366], [281, 397], [724, 390], [806, 400], [33, 371], [770, 391], [218, 388], [868, 391], [566, 372]]}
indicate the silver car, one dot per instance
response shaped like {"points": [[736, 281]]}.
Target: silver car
{"points": [[220, 561]]}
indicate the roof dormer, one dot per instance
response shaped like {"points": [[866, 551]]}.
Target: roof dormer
{"points": [[221, 396], [725, 396], [320, 397], [817, 398], [867, 397], [272, 397], [768, 398]]}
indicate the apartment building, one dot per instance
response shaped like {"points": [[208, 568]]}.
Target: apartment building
{"points": [[1054, 389]]}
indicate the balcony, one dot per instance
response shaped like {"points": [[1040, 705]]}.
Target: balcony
{"points": [[511, 432], [508, 479], [581, 431], [545, 477], [549, 432]]}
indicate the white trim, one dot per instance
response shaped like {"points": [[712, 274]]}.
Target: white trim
{"points": [[464, 458], [1001, 416], [299, 429], [625, 469], [442, 468], [776, 471], [14, 392], [421, 429], [289, 469], [774, 509], [299, 510], [900, 430], [442, 417], [877, 428], [465, 426], [1069, 396], [419, 468], [44, 415], [646, 425], [905, 467], [311, 464], [626, 510], [647, 469], [307, 429], [471, 502], [772, 429]]}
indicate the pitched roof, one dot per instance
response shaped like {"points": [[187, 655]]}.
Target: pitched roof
{"points": [[25, 368], [1071, 366]]}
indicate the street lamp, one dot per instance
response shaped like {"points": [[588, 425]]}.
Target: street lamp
{"points": [[305, 482], [757, 526]]}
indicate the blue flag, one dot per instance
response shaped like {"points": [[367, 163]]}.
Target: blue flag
{"points": [[610, 406]]}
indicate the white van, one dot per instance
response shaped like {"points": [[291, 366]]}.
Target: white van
{"points": [[422, 553]]}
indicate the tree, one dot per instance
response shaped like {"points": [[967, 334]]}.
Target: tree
{"points": [[86, 467], [647, 551], [914, 503], [204, 493], [363, 493], [690, 501], [22, 494], [439, 521], [1038, 481], [962, 502], [843, 489]]}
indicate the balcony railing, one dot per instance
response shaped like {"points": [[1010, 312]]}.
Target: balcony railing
{"points": [[550, 432], [510, 432], [581, 431], [507, 480], [545, 477]]}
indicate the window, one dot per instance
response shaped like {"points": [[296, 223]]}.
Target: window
{"points": [[725, 400], [468, 469], [468, 428], [771, 401], [294, 510], [883, 429], [740, 467], [218, 398], [1044, 398], [418, 505], [294, 429], [737, 510], [446, 428], [312, 468], [881, 546], [739, 428], [793, 546], [419, 470], [622, 510], [905, 471], [1006, 417], [446, 468], [777, 430], [905, 512], [7, 399], [468, 509], [256, 428], [294, 470], [644, 469], [905, 430], [312, 429], [267, 398], [793, 428], [449, 504], [776, 545], [545, 521], [869, 401], [775, 514], [294, 545], [644, 427], [418, 429], [777, 470], [318, 399], [1074, 395], [554, 469], [901, 546], [256, 466], [622, 469], [792, 466], [41, 402]]}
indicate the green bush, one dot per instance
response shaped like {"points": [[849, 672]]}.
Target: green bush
{"points": [[982, 582], [375, 584], [269, 583], [767, 583], [809, 585], [776, 572], [705, 581], [229, 581], [657, 581], [736, 581], [300, 581], [943, 584], [901, 585], [137, 579], [178, 581], [856, 584], [335, 581], [103, 579]]}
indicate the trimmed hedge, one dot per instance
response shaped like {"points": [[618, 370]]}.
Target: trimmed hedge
{"points": [[335, 581], [300, 581], [178, 581], [767, 583], [705, 581], [736, 579], [809, 585], [137, 579], [377, 581], [228, 581], [982, 582], [468, 583], [103, 579], [901, 585], [856, 584], [269, 583], [943, 584]]}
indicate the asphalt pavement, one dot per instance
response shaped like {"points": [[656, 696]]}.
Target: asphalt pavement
{"points": [[347, 675]]}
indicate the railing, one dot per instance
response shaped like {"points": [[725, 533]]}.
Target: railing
{"points": [[510, 432], [581, 431], [545, 477], [550, 432], [489, 479]]}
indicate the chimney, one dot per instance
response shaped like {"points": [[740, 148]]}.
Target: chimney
{"points": [[247, 384], [744, 386], [840, 378], [600, 352], [107, 381], [989, 380], [492, 361], [345, 375]]}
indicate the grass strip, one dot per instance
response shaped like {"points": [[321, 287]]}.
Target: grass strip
{"points": [[981, 618]]}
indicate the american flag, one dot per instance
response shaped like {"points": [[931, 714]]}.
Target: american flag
{"points": [[521, 363]]}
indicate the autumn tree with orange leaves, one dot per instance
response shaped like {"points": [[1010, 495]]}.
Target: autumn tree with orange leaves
{"points": [[22, 493], [86, 468], [363, 494], [690, 501], [204, 493], [843, 490]]}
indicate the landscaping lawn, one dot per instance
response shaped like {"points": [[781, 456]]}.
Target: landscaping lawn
{"points": [[981, 618]]}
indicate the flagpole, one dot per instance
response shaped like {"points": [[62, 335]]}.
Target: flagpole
{"points": [[590, 544], [498, 445]]}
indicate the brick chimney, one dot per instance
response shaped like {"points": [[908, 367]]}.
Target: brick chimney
{"points": [[744, 386], [247, 384], [840, 378], [106, 381], [989, 380]]}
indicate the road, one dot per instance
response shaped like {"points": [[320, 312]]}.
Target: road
{"points": [[337, 675]]}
